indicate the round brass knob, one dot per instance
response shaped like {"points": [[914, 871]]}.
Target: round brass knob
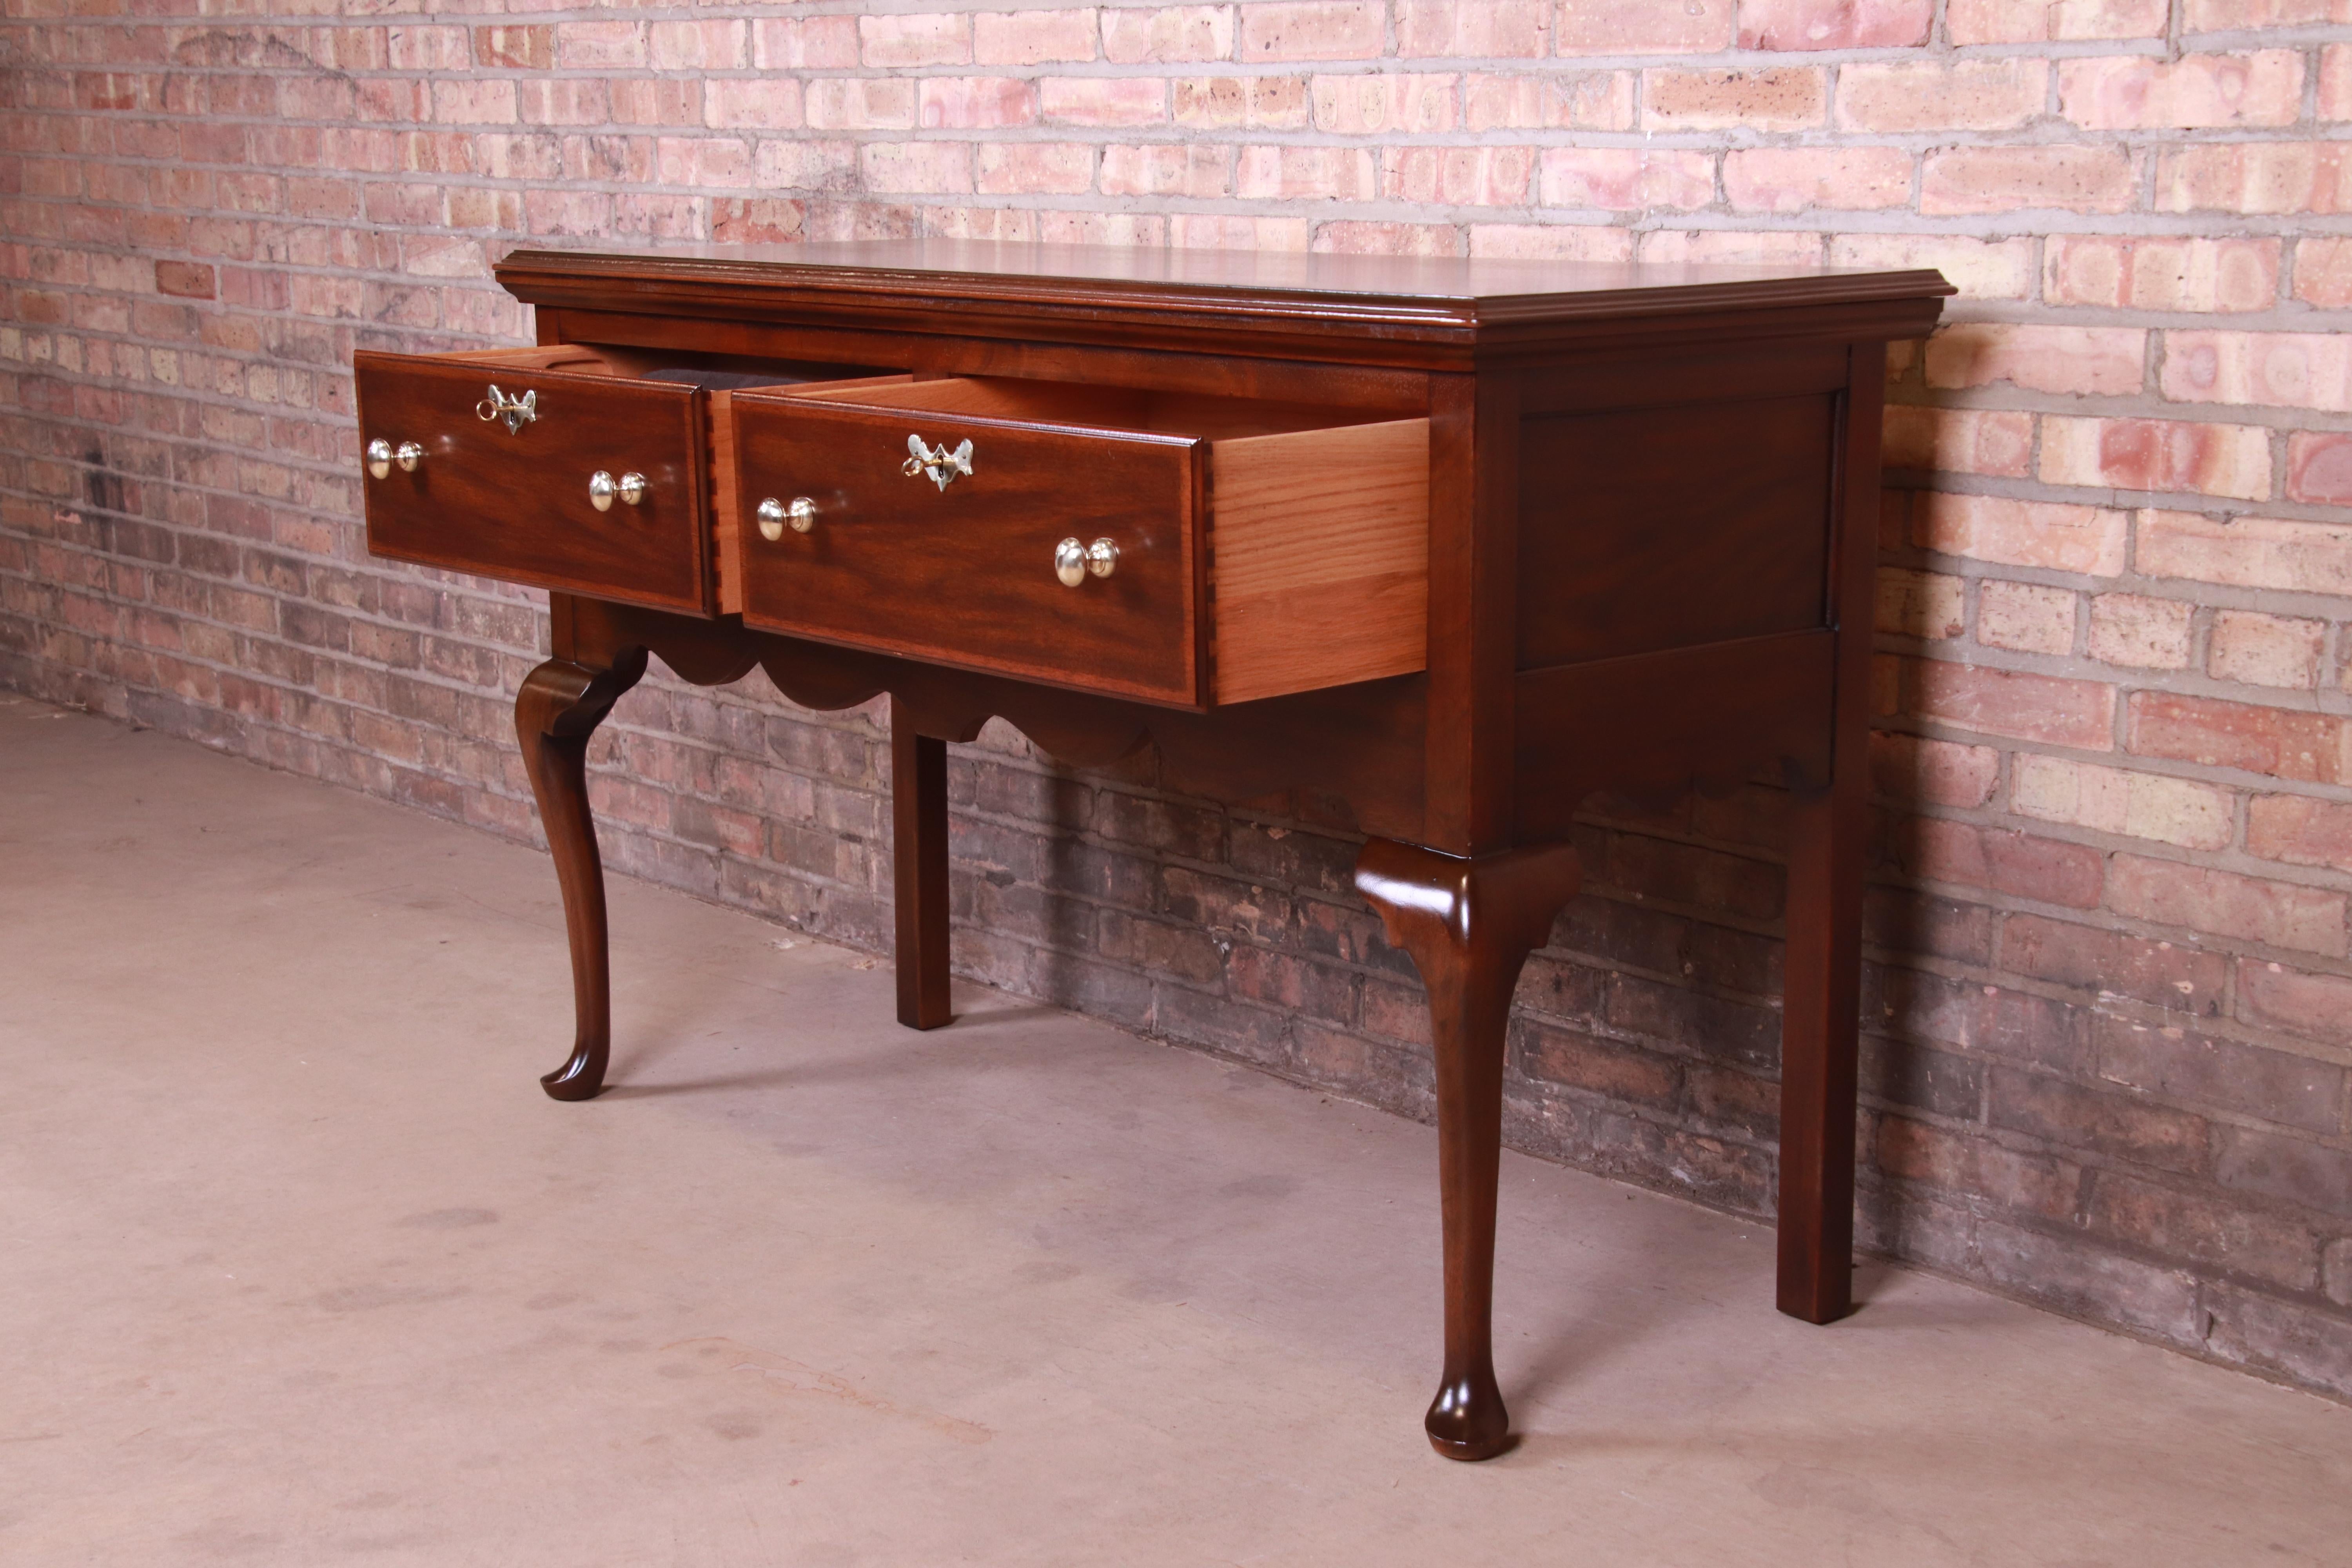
{"points": [[1074, 563], [774, 514], [379, 457], [603, 488], [408, 453]]}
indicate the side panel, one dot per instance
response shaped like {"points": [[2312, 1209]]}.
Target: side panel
{"points": [[1319, 557]]}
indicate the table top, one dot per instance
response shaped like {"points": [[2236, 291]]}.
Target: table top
{"points": [[1440, 294]]}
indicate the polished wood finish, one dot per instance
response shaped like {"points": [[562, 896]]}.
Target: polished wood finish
{"points": [[964, 574], [1444, 546], [1822, 980], [1469, 925], [514, 504], [556, 713], [918, 859]]}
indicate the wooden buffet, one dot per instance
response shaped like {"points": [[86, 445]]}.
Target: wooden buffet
{"points": [[1457, 542]]}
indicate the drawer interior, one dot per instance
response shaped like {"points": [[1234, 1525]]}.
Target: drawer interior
{"points": [[1317, 536]]}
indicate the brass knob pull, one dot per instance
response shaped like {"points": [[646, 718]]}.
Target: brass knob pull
{"points": [[1074, 563], [603, 488], [774, 514], [382, 455], [942, 467]]}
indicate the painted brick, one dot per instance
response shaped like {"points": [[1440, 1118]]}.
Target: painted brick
{"points": [[2266, 650], [2247, 552], [2142, 632], [2163, 272], [2052, 21], [2029, 617], [2157, 455], [1833, 24], [1964, 95], [2100, 360], [2300, 830], [1643, 27], [2138, 92], [2116, 800], [2062, 538], [1795, 179]]}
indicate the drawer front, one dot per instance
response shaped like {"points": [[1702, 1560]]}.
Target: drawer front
{"points": [[515, 503], [964, 574]]}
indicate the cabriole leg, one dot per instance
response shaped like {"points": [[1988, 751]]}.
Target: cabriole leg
{"points": [[558, 708], [1469, 925]]}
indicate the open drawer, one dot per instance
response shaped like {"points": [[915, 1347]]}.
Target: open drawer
{"points": [[1171, 548], [555, 467]]}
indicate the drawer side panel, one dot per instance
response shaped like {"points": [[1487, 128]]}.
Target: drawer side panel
{"points": [[1320, 558]]}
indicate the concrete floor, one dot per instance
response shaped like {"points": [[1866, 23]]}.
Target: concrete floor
{"points": [[301, 1268]]}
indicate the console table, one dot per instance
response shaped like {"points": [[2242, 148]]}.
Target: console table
{"points": [[1457, 542]]}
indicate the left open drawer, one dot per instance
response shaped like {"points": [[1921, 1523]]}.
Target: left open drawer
{"points": [[555, 467]]}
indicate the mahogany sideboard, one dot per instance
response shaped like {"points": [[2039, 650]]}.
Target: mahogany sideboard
{"points": [[1457, 542]]}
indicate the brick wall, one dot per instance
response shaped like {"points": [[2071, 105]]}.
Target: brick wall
{"points": [[2107, 1001]]}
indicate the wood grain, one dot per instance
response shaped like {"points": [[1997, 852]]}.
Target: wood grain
{"points": [[514, 505], [1318, 557]]}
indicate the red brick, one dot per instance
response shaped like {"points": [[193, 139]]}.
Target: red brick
{"points": [[2022, 864], [1958, 440], [900, 40], [2066, 21], [2014, 703], [2172, 976], [2301, 830], [2219, 1233], [2322, 271], [2033, 1184], [1938, 772], [1833, 24], [2282, 914], [1484, 29], [1795, 179], [2247, 552], [2296, 370], [1965, 95], [2163, 273], [2265, 650], [1036, 38], [1782, 98], [2157, 455], [1311, 30], [2295, 1002], [2054, 1111], [1644, 27], [2030, 617], [2278, 741], [2140, 92], [2255, 177], [2086, 179], [185, 279], [2319, 467], [2104, 360], [2089, 539]]}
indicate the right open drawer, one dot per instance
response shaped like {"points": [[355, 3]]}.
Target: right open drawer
{"points": [[1170, 548]]}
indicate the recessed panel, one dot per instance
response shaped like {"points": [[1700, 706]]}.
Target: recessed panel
{"points": [[1668, 527]]}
